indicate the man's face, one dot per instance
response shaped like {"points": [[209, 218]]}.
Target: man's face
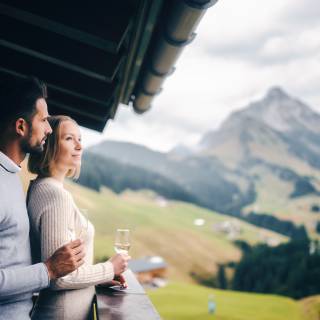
{"points": [[39, 130]]}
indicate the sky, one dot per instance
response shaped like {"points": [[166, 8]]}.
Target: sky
{"points": [[242, 49]]}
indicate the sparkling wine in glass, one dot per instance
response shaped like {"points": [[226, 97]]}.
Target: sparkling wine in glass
{"points": [[122, 241], [79, 229], [84, 223]]}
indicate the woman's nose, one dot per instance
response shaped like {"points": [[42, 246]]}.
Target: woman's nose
{"points": [[78, 145]]}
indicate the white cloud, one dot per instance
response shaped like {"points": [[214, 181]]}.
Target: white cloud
{"points": [[242, 49]]}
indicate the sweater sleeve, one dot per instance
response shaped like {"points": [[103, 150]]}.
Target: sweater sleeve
{"points": [[57, 213]]}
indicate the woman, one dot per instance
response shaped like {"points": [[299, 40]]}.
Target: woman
{"points": [[55, 220]]}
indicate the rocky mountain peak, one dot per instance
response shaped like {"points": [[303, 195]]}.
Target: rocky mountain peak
{"points": [[276, 111], [180, 150], [276, 93], [279, 111]]}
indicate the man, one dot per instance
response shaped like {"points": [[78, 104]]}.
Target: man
{"points": [[23, 129]]}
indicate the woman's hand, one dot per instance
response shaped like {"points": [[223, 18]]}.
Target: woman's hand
{"points": [[120, 263], [117, 281]]}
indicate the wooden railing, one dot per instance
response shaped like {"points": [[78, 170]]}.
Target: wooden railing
{"points": [[129, 304]]}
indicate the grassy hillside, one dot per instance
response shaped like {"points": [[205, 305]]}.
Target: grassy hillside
{"points": [[311, 307], [180, 301], [168, 231], [273, 197]]}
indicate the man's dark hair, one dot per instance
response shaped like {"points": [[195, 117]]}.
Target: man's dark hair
{"points": [[18, 98]]}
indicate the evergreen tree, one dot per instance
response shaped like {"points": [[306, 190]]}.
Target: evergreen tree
{"points": [[318, 227], [222, 280], [289, 269]]}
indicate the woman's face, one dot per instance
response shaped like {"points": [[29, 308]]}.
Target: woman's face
{"points": [[70, 148]]}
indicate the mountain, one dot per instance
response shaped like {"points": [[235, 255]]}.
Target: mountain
{"points": [[268, 129], [180, 151], [129, 153], [275, 141], [208, 182], [264, 158], [277, 132]]}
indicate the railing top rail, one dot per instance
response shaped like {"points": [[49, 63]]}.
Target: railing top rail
{"points": [[129, 304]]}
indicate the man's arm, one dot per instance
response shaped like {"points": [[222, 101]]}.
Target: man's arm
{"points": [[14, 281]]}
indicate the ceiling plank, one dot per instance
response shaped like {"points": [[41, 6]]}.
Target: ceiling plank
{"points": [[92, 25]]}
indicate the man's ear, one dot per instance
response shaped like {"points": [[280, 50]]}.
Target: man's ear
{"points": [[21, 127]]}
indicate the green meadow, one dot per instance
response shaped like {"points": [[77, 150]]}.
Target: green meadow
{"points": [[181, 301]]}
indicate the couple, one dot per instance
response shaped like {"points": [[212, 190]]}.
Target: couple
{"points": [[63, 269]]}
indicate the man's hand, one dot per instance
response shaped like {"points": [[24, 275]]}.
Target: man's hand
{"points": [[66, 259], [120, 263]]}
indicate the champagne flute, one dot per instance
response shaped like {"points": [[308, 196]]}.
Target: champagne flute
{"points": [[122, 241], [80, 231], [122, 245], [84, 223]]}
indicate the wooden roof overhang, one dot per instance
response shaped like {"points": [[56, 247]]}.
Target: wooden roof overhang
{"points": [[94, 55]]}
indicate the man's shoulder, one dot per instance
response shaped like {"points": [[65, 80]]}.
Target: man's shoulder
{"points": [[4, 172], [10, 183]]}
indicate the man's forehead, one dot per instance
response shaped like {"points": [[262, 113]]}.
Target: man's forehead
{"points": [[42, 107]]}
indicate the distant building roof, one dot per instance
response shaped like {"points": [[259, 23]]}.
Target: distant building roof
{"points": [[147, 264]]}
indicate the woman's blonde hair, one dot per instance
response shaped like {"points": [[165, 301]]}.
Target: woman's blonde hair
{"points": [[42, 163]]}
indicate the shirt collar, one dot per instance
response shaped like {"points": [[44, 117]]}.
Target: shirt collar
{"points": [[7, 164]]}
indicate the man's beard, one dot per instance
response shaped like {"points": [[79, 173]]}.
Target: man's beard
{"points": [[27, 147]]}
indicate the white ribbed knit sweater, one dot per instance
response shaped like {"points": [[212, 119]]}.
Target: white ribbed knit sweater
{"points": [[53, 214]]}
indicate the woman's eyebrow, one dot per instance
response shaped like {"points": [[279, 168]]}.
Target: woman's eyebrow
{"points": [[68, 134], [71, 134]]}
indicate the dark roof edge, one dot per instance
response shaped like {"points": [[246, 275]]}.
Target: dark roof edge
{"points": [[175, 32]]}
